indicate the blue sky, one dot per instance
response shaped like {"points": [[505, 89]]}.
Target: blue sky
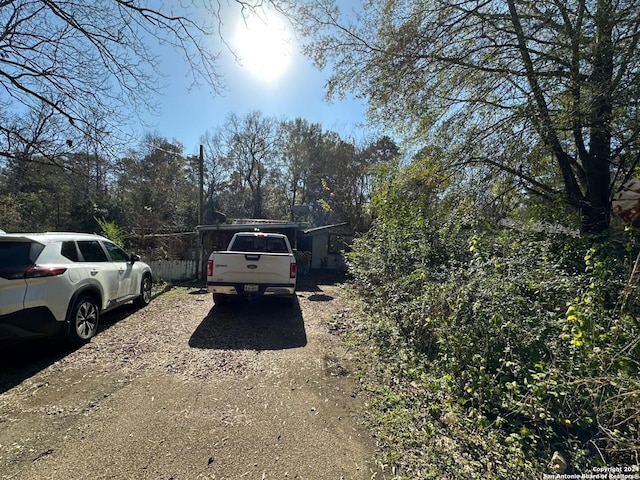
{"points": [[298, 92]]}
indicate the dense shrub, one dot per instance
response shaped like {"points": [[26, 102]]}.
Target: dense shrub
{"points": [[519, 335]]}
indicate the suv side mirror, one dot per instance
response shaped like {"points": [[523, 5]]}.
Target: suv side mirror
{"points": [[134, 258]]}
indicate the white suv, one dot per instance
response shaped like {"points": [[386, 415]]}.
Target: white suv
{"points": [[59, 283]]}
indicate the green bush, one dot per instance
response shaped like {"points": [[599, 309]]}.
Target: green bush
{"points": [[112, 231], [523, 335]]}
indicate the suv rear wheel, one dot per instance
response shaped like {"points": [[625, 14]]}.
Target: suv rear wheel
{"points": [[84, 320]]}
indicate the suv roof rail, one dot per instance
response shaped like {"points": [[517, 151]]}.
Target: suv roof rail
{"points": [[69, 233]]}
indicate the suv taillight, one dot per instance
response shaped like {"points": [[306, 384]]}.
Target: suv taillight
{"points": [[12, 273], [292, 270], [210, 268], [38, 272], [18, 273]]}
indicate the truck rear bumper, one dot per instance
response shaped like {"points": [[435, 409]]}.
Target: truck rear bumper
{"points": [[241, 289]]}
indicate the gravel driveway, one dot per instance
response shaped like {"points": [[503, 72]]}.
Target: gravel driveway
{"points": [[184, 389]]}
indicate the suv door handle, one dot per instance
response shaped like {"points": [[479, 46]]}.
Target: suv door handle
{"points": [[94, 272]]}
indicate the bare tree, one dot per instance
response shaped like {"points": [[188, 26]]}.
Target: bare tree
{"points": [[78, 56], [298, 142], [249, 146], [216, 170]]}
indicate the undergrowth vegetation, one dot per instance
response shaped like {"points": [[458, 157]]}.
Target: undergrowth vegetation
{"points": [[507, 352]]}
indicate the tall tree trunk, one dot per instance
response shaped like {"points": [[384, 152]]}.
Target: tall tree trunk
{"points": [[597, 214], [590, 192]]}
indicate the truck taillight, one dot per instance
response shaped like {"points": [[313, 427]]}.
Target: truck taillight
{"points": [[292, 270], [210, 268]]}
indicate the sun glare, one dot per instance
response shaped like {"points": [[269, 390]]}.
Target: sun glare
{"points": [[264, 46]]}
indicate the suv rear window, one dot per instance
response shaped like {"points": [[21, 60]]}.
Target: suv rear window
{"points": [[13, 254], [16, 256], [19, 253]]}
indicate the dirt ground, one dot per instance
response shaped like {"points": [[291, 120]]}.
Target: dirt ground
{"points": [[184, 389]]}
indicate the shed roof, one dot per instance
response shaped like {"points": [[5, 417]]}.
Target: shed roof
{"points": [[249, 225], [316, 230]]}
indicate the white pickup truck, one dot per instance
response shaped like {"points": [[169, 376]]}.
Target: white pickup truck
{"points": [[254, 263]]}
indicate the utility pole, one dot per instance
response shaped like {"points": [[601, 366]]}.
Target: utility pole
{"points": [[201, 187], [201, 269]]}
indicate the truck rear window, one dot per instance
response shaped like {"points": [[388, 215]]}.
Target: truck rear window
{"points": [[259, 244]]}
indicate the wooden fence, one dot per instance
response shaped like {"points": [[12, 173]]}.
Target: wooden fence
{"points": [[174, 269], [188, 269]]}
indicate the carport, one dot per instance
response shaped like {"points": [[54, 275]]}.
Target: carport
{"points": [[217, 237]]}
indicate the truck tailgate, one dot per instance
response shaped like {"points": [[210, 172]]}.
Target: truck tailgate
{"points": [[248, 267]]}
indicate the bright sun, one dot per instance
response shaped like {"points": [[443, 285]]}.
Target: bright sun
{"points": [[264, 45]]}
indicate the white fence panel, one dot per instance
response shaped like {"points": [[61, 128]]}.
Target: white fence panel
{"points": [[174, 269]]}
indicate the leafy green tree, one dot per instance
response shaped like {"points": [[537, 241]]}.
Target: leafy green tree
{"points": [[340, 175], [338, 181], [158, 186], [545, 91], [37, 196]]}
